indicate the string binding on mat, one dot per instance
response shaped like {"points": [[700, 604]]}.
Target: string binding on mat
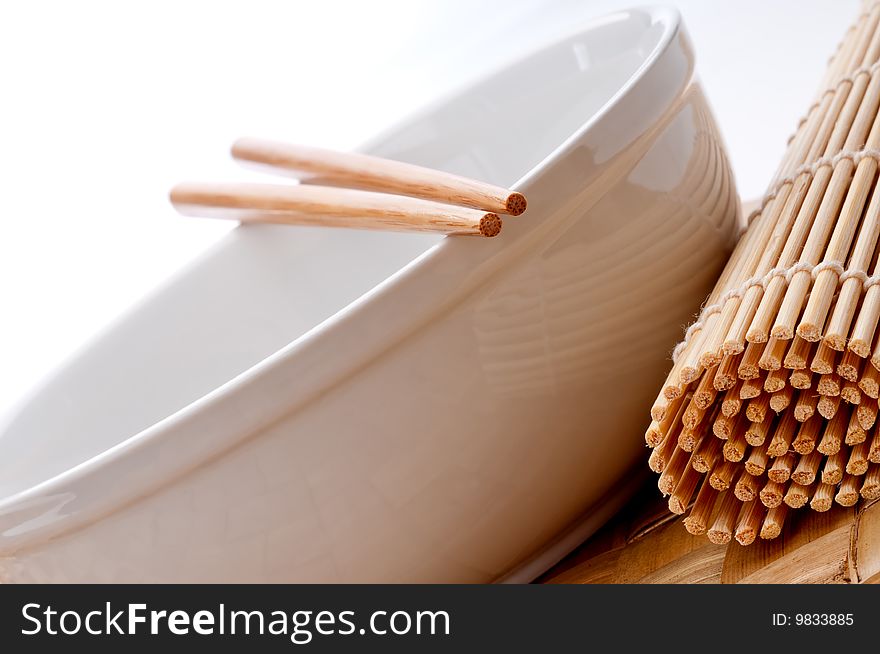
{"points": [[802, 266], [851, 79], [811, 169], [856, 156]]}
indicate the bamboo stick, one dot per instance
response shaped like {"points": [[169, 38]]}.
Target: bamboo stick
{"points": [[773, 522], [698, 519], [725, 375], [801, 379], [850, 365], [807, 468], [871, 485], [832, 471], [805, 407], [673, 471], [661, 454], [704, 394], [722, 475], [659, 412], [706, 455], [850, 393], [799, 353], [723, 425], [731, 403], [772, 355], [751, 388], [797, 496], [748, 524], [848, 494], [783, 435], [823, 360], [748, 365], [781, 468], [747, 487], [808, 433], [863, 332], [874, 448], [870, 381], [756, 432], [756, 464], [855, 433], [684, 489], [771, 494], [827, 406], [693, 414], [734, 448], [721, 530], [858, 459], [776, 380], [829, 385], [822, 497], [780, 400], [866, 413], [756, 409]]}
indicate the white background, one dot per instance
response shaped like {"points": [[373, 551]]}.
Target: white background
{"points": [[104, 105]]}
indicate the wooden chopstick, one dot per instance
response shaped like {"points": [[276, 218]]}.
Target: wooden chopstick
{"points": [[352, 170], [299, 204]]}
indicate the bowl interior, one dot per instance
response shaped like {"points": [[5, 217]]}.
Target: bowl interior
{"points": [[503, 126], [262, 287]]}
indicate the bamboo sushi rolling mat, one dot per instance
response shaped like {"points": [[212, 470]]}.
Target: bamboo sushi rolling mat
{"points": [[644, 543]]}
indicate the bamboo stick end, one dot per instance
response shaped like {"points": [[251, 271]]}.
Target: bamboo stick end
{"points": [[653, 435], [858, 347], [870, 491], [672, 392], [694, 526], [807, 331], [835, 342], [666, 485], [745, 536], [676, 506], [240, 148], [846, 498], [757, 336], [820, 504], [490, 225], [710, 360], [516, 204], [770, 531], [687, 375], [658, 412], [732, 347], [784, 333], [718, 537]]}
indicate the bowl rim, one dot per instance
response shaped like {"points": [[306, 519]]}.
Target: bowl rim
{"points": [[55, 505], [669, 16]]}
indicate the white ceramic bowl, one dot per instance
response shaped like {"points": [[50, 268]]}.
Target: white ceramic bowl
{"points": [[323, 405]]}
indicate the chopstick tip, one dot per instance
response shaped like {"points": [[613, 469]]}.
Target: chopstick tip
{"points": [[490, 225], [516, 204]]}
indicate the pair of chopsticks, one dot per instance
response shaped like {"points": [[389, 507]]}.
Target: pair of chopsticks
{"points": [[343, 189]]}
